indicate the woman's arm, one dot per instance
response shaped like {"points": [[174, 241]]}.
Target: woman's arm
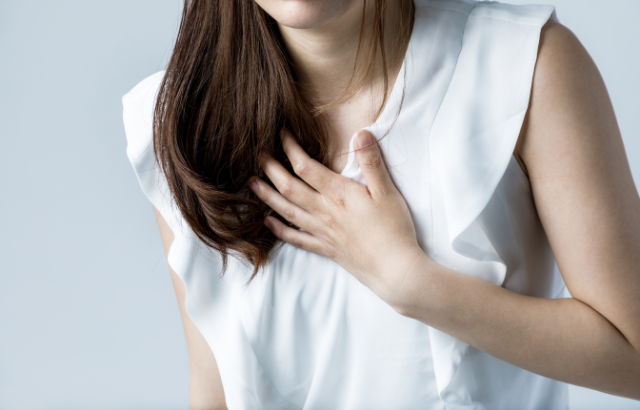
{"points": [[588, 204], [205, 385], [590, 210]]}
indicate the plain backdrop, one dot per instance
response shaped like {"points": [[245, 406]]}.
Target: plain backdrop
{"points": [[88, 318]]}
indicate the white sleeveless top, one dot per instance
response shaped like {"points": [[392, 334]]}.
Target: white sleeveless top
{"points": [[308, 335]]}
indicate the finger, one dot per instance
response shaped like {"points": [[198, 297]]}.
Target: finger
{"points": [[298, 239], [289, 211], [307, 168], [292, 188], [374, 169]]}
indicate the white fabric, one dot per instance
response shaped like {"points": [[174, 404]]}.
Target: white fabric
{"points": [[306, 334]]}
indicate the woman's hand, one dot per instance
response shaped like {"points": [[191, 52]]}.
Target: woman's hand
{"points": [[367, 230]]}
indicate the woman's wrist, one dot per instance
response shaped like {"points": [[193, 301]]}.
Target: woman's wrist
{"points": [[408, 287]]}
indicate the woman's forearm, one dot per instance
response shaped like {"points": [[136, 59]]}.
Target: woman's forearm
{"points": [[563, 339]]}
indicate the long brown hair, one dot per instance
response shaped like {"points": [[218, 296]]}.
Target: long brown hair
{"points": [[228, 90]]}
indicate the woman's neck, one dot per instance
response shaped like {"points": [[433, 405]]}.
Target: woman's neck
{"points": [[324, 56]]}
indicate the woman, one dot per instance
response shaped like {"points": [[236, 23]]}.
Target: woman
{"points": [[420, 271]]}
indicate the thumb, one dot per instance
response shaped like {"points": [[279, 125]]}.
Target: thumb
{"points": [[374, 170]]}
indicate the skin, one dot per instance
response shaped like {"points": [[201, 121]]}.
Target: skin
{"points": [[587, 201], [321, 37], [571, 148]]}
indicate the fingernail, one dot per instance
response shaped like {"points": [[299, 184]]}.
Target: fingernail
{"points": [[364, 139], [253, 184]]}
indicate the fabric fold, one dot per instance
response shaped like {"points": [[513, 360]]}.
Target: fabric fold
{"points": [[209, 299], [196, 265], [475, 79], [472, 141]]}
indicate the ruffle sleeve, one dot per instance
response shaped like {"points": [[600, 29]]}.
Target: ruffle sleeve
{"points": [[138, 106], [198, 266], [213, 301], [472, 142]]}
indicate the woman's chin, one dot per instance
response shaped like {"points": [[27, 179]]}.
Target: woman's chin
{"points": [[306, 14]]}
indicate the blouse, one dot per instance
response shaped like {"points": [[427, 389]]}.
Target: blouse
{"points": [[305, 334]]}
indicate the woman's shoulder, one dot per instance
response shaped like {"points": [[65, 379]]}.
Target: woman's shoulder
{"points": [[566, 79]]}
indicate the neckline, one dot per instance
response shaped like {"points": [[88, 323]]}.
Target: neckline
{"points": [[391, 106]]}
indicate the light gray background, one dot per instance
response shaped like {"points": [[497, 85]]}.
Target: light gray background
{"points": [[88, 318]]}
